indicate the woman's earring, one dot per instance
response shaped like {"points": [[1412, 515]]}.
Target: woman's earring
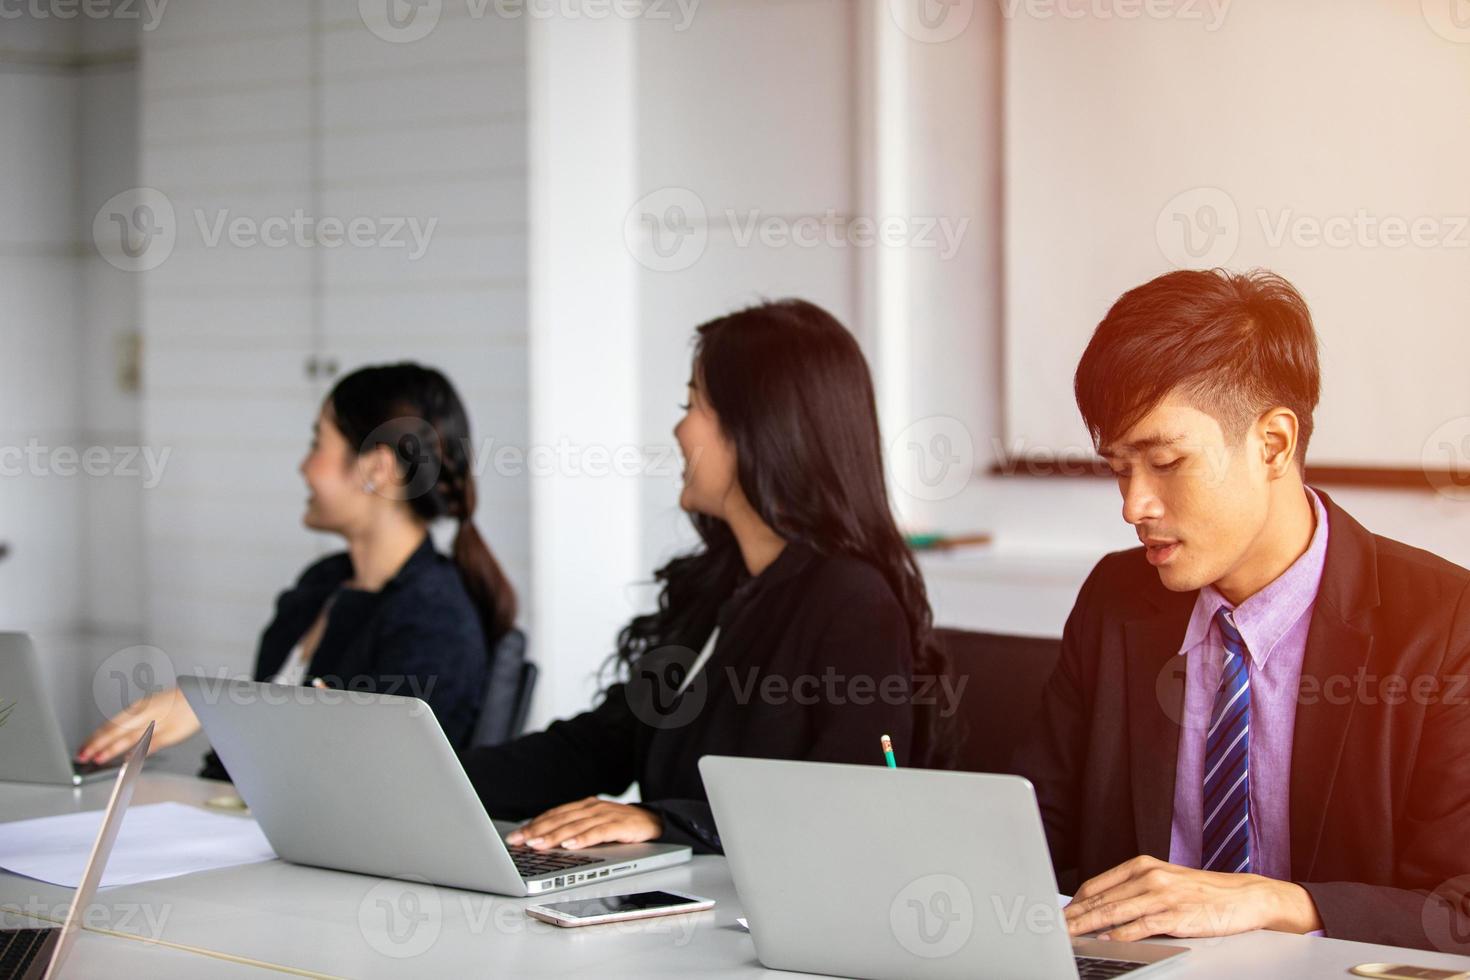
{"points": [[367, 487]]}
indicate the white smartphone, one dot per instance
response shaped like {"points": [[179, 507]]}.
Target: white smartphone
{"points": [[617, 908], [1391, 971]]}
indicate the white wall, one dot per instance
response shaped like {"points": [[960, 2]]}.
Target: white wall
{"points": [[1137, 145], [259, 112], [39, 397], [72, 580], [1048, 531]]}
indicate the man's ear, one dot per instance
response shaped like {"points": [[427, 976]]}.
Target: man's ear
{"points": [[1278, 429]]}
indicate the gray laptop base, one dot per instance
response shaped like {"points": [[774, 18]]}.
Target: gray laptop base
{"points": [[368, 783]]}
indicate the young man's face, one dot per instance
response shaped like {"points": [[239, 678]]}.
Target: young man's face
{"points": [[1198, 500]]}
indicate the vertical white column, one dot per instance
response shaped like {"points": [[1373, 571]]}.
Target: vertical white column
{"points": [[883, 133], [932, 97], [582, 347]]}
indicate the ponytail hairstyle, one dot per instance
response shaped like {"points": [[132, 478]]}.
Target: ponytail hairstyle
{"points": [[793, 393], [416, 413]]}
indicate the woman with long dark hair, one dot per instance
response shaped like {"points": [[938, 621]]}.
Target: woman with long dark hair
{"points": [[389, 456], [793, 632]]}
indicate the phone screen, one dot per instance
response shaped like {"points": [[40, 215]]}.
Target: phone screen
{"points": [[611, 905]]}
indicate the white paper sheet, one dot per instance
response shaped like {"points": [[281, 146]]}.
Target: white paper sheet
{"points": [[160, 840]]}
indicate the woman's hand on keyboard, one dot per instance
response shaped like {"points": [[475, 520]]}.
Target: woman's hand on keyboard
{"points": [[587, 822], [173, 721]]}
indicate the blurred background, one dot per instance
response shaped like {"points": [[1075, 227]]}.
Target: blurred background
{"points": [[215, 208]]}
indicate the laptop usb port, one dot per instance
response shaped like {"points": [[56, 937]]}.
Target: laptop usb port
{"points": [[559, 882]]}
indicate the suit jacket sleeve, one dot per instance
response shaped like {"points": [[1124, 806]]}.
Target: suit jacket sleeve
{"points": [[1430, 910], [588, 755], [1054, 754], [866, 640]]}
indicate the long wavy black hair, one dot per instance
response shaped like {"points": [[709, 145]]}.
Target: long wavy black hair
{"points": [[793, 393]]}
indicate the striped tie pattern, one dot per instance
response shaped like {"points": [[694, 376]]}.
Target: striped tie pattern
{"points": [[1227, 828]]}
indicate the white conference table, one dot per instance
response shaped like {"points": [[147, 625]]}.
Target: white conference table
{"points": [[314, 922]]}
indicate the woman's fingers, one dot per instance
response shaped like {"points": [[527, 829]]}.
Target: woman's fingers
{"points": [[112, 737], [570, 833], [175, 722], [544, 824], [587, 822], [108, 745]]}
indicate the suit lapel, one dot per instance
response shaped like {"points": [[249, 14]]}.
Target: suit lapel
{"points": [[1338, 649], [1155, 679]]}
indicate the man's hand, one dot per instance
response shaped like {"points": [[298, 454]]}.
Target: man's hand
{"points": [[1148, 897], [587, 822]]}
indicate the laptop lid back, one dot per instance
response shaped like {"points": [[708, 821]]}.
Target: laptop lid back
{"points": [[32, 749], [353, 781], [865, 871], [117, 806]]}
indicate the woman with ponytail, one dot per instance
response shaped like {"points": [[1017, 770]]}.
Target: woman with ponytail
{"points": [[389, 457]]}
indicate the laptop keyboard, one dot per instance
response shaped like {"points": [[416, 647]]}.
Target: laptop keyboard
{"points": [[18, 947], [87, 768], [531, 862], [1094, 968]]}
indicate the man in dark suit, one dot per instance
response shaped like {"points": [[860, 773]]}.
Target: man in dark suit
{"points": [[1260, 718]]}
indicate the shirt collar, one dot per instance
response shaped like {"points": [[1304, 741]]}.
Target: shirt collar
{"points": [[1266, 617]]}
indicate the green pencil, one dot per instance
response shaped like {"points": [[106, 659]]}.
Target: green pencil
{"points": [[888, 751]]}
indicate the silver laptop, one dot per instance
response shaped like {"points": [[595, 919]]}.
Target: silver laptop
{"points": [[914, 873], [37, 953], [32, 746], [368, 783]]}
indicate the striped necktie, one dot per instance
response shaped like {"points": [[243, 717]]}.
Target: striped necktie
{"points": [[1227, 827]]}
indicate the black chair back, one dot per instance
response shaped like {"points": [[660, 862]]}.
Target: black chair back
{"points": [[1003, 677], [507, 693]]}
